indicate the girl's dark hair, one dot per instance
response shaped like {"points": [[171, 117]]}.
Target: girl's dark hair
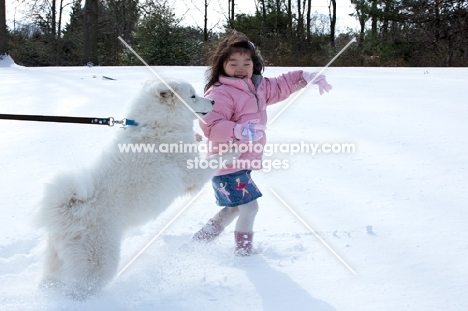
{"points": [[231, 43]]}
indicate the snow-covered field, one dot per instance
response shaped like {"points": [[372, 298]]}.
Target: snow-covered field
{"points": [[395, 210]]}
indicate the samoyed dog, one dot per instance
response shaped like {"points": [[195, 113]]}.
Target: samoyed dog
{"points": [[85, 214]]}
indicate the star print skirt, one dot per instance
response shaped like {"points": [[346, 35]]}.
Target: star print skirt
{"points": [[235, 189]]}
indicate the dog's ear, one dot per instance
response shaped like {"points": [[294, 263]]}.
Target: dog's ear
{"points": [[164, 90], [156, 89], [166, 96]]}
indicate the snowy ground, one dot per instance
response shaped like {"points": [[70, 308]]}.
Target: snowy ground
{"points": [[395, 210]]}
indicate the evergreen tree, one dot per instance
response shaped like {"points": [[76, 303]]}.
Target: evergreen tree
{"points": [[160, 40]]}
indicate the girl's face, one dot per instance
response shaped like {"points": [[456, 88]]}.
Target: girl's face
{"points": [[239, 65]]}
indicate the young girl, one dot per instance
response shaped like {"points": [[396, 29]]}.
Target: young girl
{"points": [[241, 96]]}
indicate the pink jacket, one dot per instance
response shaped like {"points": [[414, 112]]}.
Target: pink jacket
{"points": [[240, 100]]}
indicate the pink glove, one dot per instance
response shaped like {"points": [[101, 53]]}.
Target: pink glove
{"points": [[319, 81], [249, 131]]}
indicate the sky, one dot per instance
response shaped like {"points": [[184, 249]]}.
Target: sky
{"points": [[192, 12]]}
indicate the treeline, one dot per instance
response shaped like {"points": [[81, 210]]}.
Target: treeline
{"points": [[289, 33]]}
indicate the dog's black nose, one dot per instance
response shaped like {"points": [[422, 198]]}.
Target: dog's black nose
{"points": [[212, 102]]}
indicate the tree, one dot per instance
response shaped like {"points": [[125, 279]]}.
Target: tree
{"points": [[48, 14], [439, 30], [389, 15], [72, 39], [160, 40], [116, 18], [332, 13], [205, 22], [263, 8], [374, 15], [309, 12], [90, 34], [362, 14], [414, 32], [270, 28], [231, 15], [290, 19], [300, 21], [3, 30]]}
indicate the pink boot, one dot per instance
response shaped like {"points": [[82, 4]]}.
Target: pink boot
{"points": [[208, 232], [243, 243]]}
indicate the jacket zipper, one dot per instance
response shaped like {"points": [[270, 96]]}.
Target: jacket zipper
{"points": [[253, 92]]}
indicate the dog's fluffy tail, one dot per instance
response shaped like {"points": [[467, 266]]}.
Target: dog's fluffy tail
{"points": [[62, 201]]}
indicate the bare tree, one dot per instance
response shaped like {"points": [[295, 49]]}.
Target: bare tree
{"points": [[374, 18], [309, 9], [290, 19], [300, 20], [205, 22], [59, 26], [332, 14], [47, 14], [3, 29], [53, 16], [231, 16]]}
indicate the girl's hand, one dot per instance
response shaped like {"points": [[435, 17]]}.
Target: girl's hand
{"points": [[249, 131], [320, 81]]}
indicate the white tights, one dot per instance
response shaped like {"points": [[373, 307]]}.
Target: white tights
{"points": [[246, 213]]}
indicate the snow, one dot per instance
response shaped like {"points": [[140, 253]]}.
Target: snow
{"points": [[6, 61], [394, 210]]}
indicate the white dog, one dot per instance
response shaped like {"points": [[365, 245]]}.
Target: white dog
{"points": [[86, 214]]}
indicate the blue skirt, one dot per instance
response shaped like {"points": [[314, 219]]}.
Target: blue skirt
{"points": [[235, 189]]}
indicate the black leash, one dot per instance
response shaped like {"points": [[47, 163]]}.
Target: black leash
{"points": [[98, 121]]}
